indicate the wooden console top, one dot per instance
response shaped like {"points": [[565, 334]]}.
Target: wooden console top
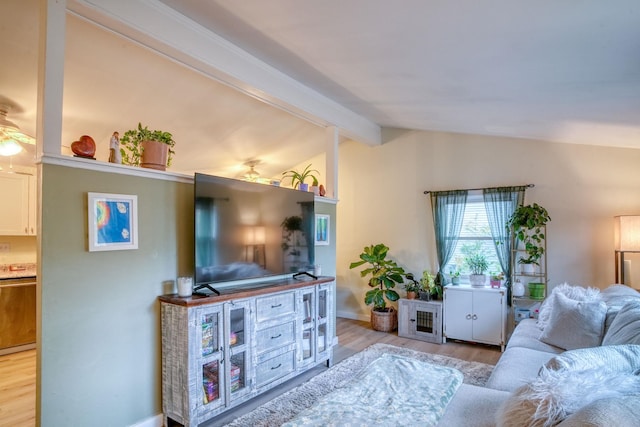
{"points": [[243, 291]]}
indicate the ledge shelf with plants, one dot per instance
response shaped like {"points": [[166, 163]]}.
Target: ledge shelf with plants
{"points": [[528, 261]]}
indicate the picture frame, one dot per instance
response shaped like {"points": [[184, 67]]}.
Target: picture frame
{"points": [[112, 221], [323, 229]]}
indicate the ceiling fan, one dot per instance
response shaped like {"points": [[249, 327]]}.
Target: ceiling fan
{"points": [[10, 136]]}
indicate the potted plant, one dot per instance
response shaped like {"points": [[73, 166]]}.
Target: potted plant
{"points": [[298, 178], [455, 277], [477, 264], [496, 280], [384, 275], [147, 148], [428, 287], [412, 286], [527, 224]]}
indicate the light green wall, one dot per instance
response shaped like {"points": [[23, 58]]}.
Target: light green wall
{"points": [[326, 255], [99, 338], [382, 201]]}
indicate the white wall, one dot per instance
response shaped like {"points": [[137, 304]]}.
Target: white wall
{"points": [[382, 201]]}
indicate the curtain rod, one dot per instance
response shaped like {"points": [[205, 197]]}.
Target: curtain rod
{"points": [[486, 188]]}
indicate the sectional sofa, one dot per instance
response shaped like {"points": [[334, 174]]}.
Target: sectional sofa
{"points": [[577, 365]]}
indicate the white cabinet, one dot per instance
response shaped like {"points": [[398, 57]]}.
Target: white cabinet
{"points": [[218, 352], [420, 320], [475, 314], [18, 207]]}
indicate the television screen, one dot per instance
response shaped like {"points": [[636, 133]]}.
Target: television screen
{"points": [[246, 230]]}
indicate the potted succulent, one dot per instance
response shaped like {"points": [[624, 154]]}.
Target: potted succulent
{"points": [[384, 275], [477, 264], [298, 178], [527, 224], [147, 148], [412, 286]]}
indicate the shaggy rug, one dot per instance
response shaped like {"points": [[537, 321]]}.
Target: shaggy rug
{"points": [[286, 406]]}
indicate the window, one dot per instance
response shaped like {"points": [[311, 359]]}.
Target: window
{"points": [[475, 235]]}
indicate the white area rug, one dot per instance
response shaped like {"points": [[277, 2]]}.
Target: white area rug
{"points": [[286, 406]]}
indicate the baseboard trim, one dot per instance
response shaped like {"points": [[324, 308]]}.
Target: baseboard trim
{"points": [[155, 421], [353, 316]]}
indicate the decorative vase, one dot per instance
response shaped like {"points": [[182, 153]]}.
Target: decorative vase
{"points": [[477, 280], [495, 283], [384, 321], [154, 155], [411, 294], [455, 281], [517, 289]]}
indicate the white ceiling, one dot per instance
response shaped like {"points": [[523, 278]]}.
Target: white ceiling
{"points": [[566, 71]]}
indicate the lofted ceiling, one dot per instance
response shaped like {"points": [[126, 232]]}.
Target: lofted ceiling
{"points": [[565, 71]]}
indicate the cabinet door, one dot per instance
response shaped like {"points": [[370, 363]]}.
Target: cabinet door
{"points": [[487, 317], [324, 333], [458, 306], [14, 209], [307, 321], [238, 349], [209, 387]]}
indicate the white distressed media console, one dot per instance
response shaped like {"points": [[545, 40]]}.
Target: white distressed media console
{"points": [[220, 351]]}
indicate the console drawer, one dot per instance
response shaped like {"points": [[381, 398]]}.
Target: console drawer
{"points": [[270, 307], [274, 337], [275, 368]]}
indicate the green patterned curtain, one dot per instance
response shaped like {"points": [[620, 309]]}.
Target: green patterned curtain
{"points": [[500, 203], [448, 211]]}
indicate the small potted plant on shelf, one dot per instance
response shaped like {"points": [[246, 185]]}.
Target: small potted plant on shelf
{"points": [[298, 178], [477, 264], [429, 289], [527, 224], [384, 275], [455, 277], [412, 286], [151, 149], [496, 280]]}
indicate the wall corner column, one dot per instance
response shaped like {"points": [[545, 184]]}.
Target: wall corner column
{"points": [[332, 134]]}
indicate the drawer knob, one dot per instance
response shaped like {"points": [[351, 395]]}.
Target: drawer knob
{"points": [[277, 336], [276, 306], [276, 367]]}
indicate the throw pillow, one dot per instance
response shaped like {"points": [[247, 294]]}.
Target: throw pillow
{"points": [[574, 324], [625, 328], [611, 358], [554, 395], [574, 292]]}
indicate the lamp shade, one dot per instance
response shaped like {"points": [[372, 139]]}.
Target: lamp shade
{"points": [[627, 233]]}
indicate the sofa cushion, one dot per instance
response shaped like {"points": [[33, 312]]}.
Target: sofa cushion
{"points": [[574, 324], [625, 328], [616, 296], [473, 406], [527, 335], [517, 366], [613, 358], [556, 394], [578, 293], [619, 411]]}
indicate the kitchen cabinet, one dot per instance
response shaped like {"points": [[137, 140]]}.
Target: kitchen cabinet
{"points": [[475, 314], [17, 315], [18, 208]]}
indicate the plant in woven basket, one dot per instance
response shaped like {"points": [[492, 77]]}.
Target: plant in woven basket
{"points": [[384, 275]]}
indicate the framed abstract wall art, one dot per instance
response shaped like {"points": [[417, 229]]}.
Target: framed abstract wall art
{"points": [[112, 221], [322, 229]]}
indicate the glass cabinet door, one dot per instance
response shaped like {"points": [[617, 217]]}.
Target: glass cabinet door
{"points": [[308, 309], [210, 339], [238, 363]]}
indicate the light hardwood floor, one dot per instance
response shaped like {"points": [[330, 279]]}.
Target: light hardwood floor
{"points": [[18, 370]]}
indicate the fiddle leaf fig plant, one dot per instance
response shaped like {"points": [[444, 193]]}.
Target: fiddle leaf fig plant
{"points": [[384, 275], [527, 224]]}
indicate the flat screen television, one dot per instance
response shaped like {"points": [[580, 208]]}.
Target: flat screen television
{"points": [[246, 230]]}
